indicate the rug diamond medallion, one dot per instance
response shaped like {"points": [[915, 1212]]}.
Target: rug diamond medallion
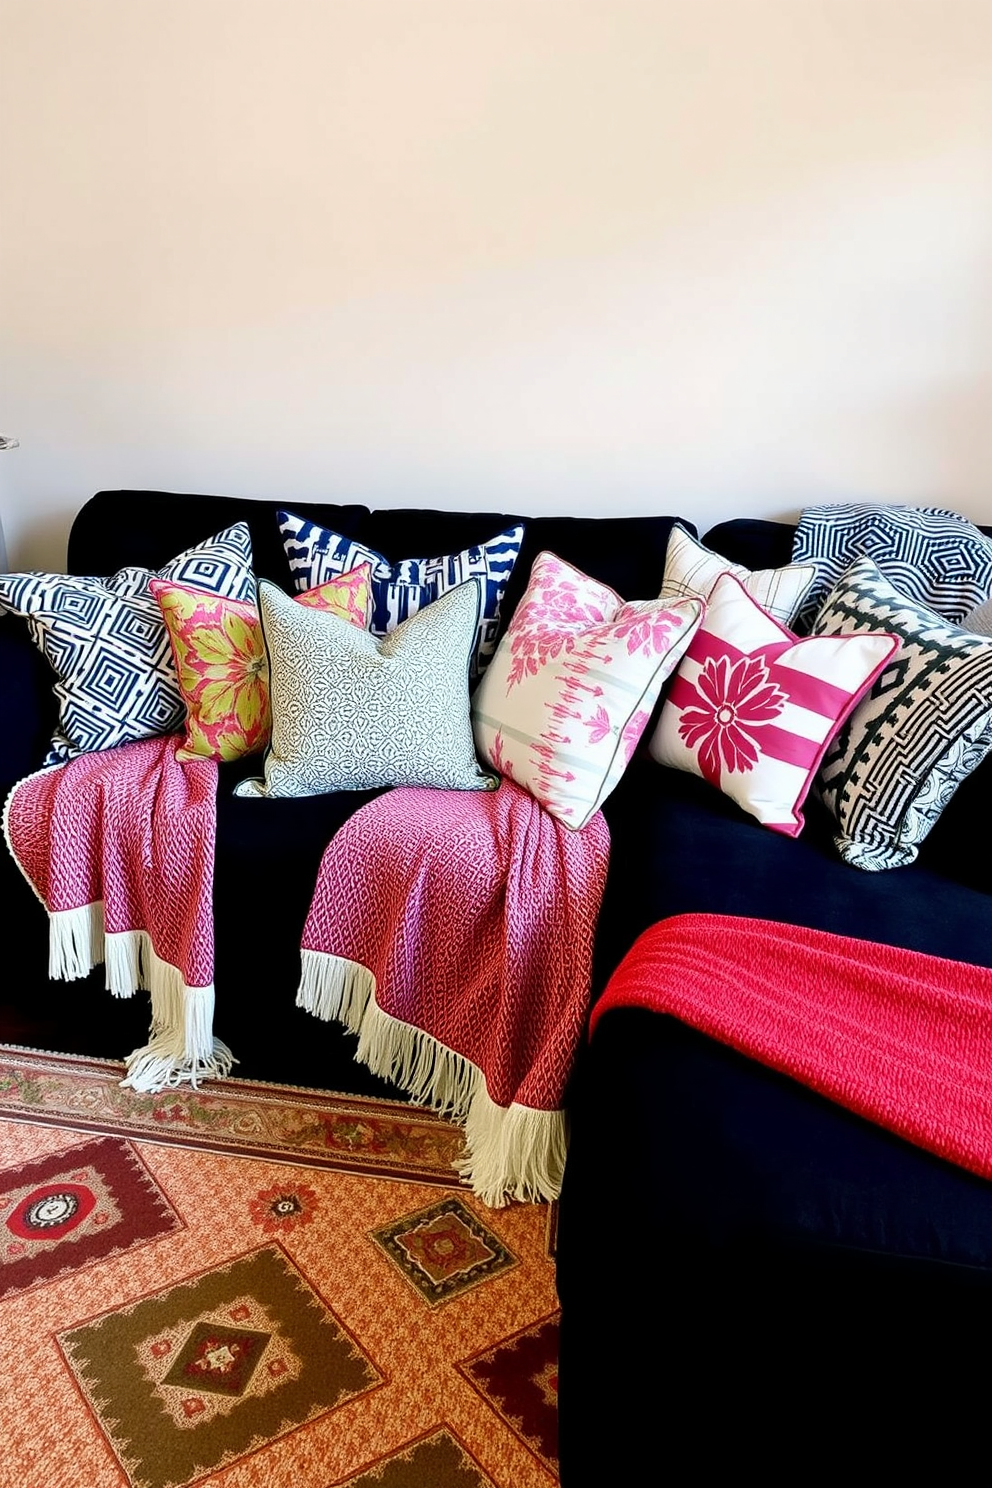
{"points": [[444, 1250], [193, 1377], [94, 1200]]}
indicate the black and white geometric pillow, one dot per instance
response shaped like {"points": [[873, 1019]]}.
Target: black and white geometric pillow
{"points": [[108, 645], [937, 558], [926, 724], [399, 590], [354, 711]]}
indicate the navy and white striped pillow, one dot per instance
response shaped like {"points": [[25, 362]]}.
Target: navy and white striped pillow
{"points": [[399, 590]]}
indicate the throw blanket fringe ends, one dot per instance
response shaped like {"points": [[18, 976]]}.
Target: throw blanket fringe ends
{"points": [[67, 829], [512, 1152]]}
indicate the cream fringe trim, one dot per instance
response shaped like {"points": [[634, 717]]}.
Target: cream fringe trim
{"points": [[181, 1046], [512, 1152]]}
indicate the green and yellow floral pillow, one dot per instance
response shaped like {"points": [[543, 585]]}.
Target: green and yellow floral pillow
{"points": [[221, 660]]}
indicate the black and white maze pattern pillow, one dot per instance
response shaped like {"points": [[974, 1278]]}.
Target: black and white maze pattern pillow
{"points": [[353, 711], [107, 642], [936, 558], [926, 724]]}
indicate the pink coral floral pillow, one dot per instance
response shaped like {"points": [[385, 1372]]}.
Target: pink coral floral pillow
{"points": [[221, 661], [752, 708], [572, 686]]}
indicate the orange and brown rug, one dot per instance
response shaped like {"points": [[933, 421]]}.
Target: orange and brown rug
{"points": [[254, 1285]]}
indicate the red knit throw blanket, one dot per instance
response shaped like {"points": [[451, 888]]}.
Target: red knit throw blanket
{"points": [[902, 1038], [452, 930], [118, 845]]}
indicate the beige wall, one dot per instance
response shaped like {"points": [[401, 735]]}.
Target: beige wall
{"points": [[705, 256]]}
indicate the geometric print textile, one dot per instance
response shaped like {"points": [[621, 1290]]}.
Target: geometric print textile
{"points": [[76, 1207], [935, 557], [424, 1426], [925, 725], [108, 645], [399, 590], [351, 711]]}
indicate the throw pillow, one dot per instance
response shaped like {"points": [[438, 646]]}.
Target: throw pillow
{"points": [[108, 645], [353, 711], [219, 653], [399, 590], [571, 688], [934, 557], [752, 707], [692, 569], [926, 724]]}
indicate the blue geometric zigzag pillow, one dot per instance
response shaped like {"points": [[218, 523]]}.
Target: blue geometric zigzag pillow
{"points": [[399, 590], [108, 645], [934, 557]]}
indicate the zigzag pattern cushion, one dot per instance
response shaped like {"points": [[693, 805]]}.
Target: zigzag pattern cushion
{"points": [[692, 570], [108, 645], [353, 711], [936, 558], [752, 707], [926, 724], [571, 689], [399, 590]]}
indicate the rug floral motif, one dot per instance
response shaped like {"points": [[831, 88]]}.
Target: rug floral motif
{"points": [[519, 1379], [443, 1250]]}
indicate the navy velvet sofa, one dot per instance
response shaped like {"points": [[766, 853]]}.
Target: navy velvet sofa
{"points": [[746, 1272]]}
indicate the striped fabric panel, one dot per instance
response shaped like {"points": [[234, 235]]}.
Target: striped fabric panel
{"points": [[933, 557]]}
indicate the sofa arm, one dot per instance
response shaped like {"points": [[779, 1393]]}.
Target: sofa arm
{"points": [[28, 709]]}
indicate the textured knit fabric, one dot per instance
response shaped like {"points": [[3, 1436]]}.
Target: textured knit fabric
{"points": [[119, 847], [896, 1036], [475, 916]]}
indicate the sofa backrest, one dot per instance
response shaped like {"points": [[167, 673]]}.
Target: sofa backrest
{"points": [[117, 528]]}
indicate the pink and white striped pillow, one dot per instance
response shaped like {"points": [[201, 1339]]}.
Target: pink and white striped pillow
{"points": [[752, 708]]}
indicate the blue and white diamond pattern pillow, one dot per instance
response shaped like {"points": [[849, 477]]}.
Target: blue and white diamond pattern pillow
{"points": [[108, 645], [399, 590]]}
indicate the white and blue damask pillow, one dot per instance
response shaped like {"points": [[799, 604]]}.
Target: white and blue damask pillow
{"points": [[399, 590], [107, 642]]}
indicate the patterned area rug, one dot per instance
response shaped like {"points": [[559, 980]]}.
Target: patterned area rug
{"points": [[256, 1285]]}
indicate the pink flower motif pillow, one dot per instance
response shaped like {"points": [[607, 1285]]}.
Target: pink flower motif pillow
{"points": [[222, 665], [572, 686], [752, 708]]}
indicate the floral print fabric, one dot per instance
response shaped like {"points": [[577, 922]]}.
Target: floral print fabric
{"points": [[220, 657], [752, 707], [571, 688]]}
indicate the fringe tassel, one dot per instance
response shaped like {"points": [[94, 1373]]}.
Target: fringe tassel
{"points": [[511, 1152], [334, 989], [414, 1060], [75, 941], [127, 959], [181, 1048]]}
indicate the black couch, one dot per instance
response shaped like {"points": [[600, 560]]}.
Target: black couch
{"points": [[746, 1272]]}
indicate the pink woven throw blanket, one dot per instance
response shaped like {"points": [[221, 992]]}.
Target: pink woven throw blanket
{"points": [[452, 931], [119, 847], [902, 1038]]}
